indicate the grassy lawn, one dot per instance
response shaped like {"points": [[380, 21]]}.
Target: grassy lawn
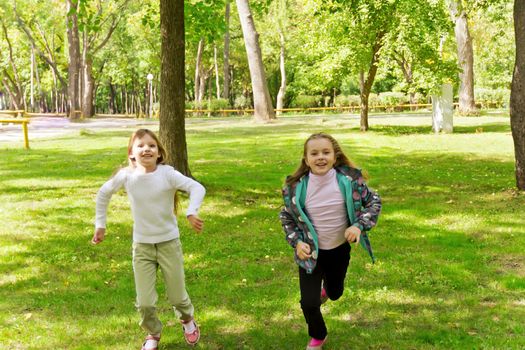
{"points": [[450, 242]]}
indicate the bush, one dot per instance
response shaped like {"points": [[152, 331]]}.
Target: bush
{"points": [[242, 102], [373, 100], [393, 98], [347, 101], [307, 101], [217, 104], [492, 98]]}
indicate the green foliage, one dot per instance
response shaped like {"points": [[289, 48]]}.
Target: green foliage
{"points": [[494, 98], [242, 102], [217, 104], [347, 101], [305, 101], [393, 98]]}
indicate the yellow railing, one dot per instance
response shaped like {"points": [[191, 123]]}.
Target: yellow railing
{"points": [[24, 123]]}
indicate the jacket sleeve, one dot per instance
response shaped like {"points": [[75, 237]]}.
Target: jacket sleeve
{"points": [[292, 231], [368, 215]]}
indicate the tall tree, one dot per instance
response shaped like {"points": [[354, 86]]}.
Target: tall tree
{"points": [[261, 96], [467, 104], [74, 59], [11, 80], [172, 127], [226, 53], [279, 13], [517, 95]]}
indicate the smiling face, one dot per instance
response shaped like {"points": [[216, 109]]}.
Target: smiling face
{"points": [[320, 155], [145, 152]]}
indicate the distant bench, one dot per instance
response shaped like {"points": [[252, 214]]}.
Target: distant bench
{"points": [[24, 123]]}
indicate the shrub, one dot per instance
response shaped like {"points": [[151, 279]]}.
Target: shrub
{"points": [[347, 101], [217, 104], [307, 101], [242, 102], [393, 98], [495, 98]]}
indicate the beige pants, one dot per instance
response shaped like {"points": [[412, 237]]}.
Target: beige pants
{"points": [[147, 258]]}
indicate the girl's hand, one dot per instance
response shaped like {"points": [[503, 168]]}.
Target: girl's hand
{"points": [[98, 236], [196, 222], [303, 251], [353, 234]]}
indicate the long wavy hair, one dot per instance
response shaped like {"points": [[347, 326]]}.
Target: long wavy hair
{"points": [[140, 133], [303, 169]]}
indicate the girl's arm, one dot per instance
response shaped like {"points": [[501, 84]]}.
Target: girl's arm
{"points": [[368, 215], [190, 186], [293, 233], [103, 198]]}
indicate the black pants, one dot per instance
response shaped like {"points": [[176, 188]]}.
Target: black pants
{"points": [[331, 268]]}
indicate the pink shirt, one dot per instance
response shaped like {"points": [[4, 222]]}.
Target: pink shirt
{"points": [[326, 209]]}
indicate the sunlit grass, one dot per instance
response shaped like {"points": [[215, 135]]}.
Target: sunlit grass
{"points": [[450, 242]]}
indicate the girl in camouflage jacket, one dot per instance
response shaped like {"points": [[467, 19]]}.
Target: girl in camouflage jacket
{"points": [[327, 206]]}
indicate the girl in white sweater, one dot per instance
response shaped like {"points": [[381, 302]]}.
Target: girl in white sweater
{"points": [[151, 186]]}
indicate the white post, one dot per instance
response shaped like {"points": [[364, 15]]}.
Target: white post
{"points": [[437, 114], [150, 109], [447, 107]]}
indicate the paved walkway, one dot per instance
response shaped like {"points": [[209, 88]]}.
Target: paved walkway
{"points": [[54, 126]]}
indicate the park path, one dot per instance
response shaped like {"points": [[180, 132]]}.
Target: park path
{"points": [[54, 126]]}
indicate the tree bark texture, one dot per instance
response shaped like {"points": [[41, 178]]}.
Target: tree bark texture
{"points": [[467, 104], [517, 94], [366, 84], [217, 79], [88, 82], [74, 59], [226, 54], [282, 89], [172, 128], [261, 96], [13, 84], [198, 74]]}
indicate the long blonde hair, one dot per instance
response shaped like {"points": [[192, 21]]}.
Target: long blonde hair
{"points": [[303, 169], [140, 133]]}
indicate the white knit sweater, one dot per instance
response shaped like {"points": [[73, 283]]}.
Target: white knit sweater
{"points": [[151, 200]]}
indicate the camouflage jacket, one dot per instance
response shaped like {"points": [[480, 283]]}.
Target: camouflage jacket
{"points": [[362, 204]]}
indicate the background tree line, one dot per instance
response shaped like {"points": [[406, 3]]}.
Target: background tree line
{"points": [[93, 56], [84, 57]]}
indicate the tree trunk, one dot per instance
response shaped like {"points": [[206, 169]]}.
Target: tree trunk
{"points": [[264, 111], [74, 59], [88, 109], [172, 129], [112, 103], [282, 88], [467, 104], [366, 84], [517, 94], [226, 54], [364, 102], [217, 80], [198, 74], [13, 83], [88, 82]]}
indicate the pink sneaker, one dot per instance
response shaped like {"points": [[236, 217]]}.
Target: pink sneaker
{"points": [[152, 340], [315, 344], [193, 337], [324, 296]]}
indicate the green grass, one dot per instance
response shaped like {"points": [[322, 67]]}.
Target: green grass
{"points": [[450, 242]]}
